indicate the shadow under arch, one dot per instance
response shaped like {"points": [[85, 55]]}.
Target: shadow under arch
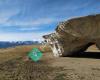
{"points": [[89, 54], [94, 55]]}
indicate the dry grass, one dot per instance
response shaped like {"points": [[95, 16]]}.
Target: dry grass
{"points": [[11, 53], [16, 69], [13, 67], [45, 48]]}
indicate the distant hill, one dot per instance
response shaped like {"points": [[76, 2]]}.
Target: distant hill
{"points": [[6, 44]]}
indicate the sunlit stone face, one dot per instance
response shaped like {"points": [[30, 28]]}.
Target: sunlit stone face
{"points": [[54, 44]]}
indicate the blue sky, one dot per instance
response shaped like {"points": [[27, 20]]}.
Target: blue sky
{"points": [[30, 19]]}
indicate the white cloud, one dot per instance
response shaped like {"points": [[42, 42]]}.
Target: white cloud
{"points": [[22, 36], [37, 22], [19, 36], [5, 15], [29, 25], [29, 28]]}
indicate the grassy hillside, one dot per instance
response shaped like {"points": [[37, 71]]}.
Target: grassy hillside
{"points": [[14, 66], [19, 51], [11, 53]]}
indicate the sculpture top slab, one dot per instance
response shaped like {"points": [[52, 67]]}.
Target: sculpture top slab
{"points": [[75, 35]]}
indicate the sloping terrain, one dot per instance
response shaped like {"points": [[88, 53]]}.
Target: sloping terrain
{"points": [[13, 66]]}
